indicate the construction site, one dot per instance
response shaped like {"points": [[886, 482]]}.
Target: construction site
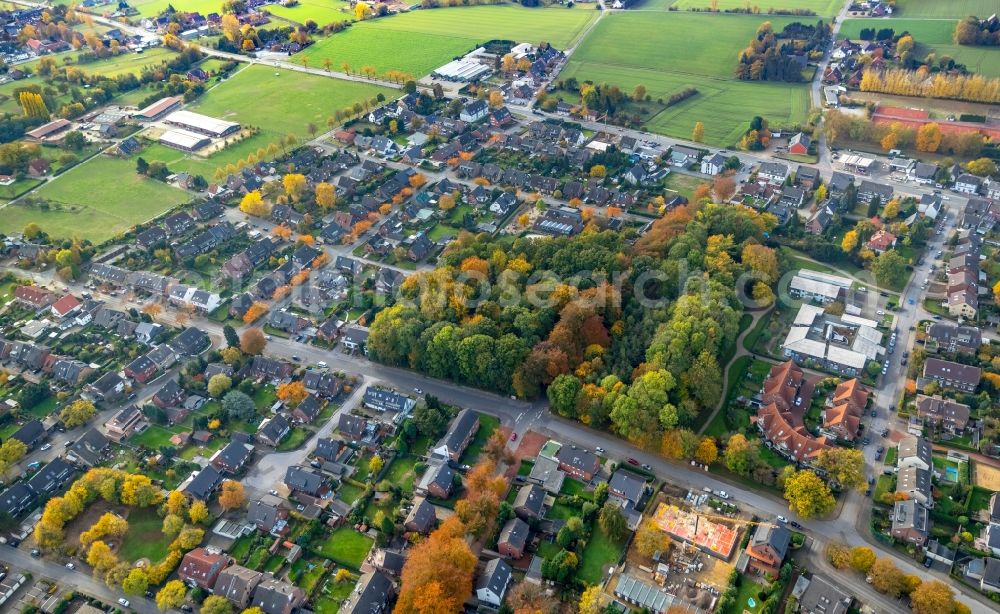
{"points": [[704, 535]]}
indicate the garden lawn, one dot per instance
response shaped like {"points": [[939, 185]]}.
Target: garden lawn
{"points": [[820, 7], [934, 36], [144, 538], [95, 200], [659, 57], [601, 552], [420, 41], [12, 191], [348, 493], [945, 9], [346, 546], [401, 473], [332, 596], [747, 590], [295, 439], [320, 11]]}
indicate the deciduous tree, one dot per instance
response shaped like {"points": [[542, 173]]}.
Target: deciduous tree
{"points": [[171, 595], [698, 133], [887, 578], [219, 384], [136, 582], [612, 521], [232, 496], [650, 538], [808, 495], [292, 393], [214, 604], [862, 558], [707, 451], [844, 465], [253, 204], [198, 512], [252, 341], [238, 406]]}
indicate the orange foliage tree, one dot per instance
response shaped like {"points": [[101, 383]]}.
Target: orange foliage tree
{"points": [[256, 311], [292, 393]]}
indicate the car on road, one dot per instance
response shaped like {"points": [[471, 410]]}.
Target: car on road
{"points": [[273, 493], [124, 602], [296, 359], [781, 519], [267, 337], [600, 450], [45, 446], [928, 562], [34, 465], [418, 390], [936, 317], [70, 566], [35, 552], [150, 595], [513, 436], [795, 525], [632, 461], [647, 467], [321, 364], [721, 494], [874, 413], [868, 492]]}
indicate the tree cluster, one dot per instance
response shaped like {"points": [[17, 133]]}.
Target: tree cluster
{"points": [[902, 82], [975, 31], [767, 58]]}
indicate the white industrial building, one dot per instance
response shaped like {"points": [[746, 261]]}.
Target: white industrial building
{"points": [[184, 140], [818, 286], [463, 70], [202, 124]]}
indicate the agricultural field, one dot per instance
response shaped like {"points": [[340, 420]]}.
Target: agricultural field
{"points": [[420, 41], [95, 200], [820, 7], [152, 8], [933, 36], [259, 96], [320, 11], [660, 58], [940, 9]]}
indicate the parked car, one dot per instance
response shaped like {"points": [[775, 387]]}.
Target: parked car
{"points": [[632, 461], [781, 519], [123, 601]]}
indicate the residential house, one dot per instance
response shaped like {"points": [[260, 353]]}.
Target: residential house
{"points": [[530, 502], [767, 548], [984, 573], [492, 584], [232, 458], [943, 337], [303, 480], [881, 241], [237, 583], [839, 183], [354, 339], [822, 597], [275, 596], [201, 567], [384, 399], [799, 144], [968, 184], [33, 297], [578, 462], [819, 221], [89, 449], [946, 413], [373, 594], [190, 342], [869, 190], [17, 499], [437, 481], [273, 430], [170, 395], [322, 383], [270, 369], [513, 538], [684, 156], [914, 451], [267, 515], [713, 165], [389, 561], [66, 306], [422, 517], [31, 434], [460, 434], [126, 422], [327, 449], [627, 487], [201, 485], [109, 387], [51, 478], [952, 374], [307, 410], [774, 173], [923, 173], [142, 369], [842, 415], [807, 178], [910, 522], [474, 111], [915, 484]]}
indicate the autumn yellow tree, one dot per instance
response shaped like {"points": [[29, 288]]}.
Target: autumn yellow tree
{"points": [[707, 452], [253, 204], [294, 184], [292, 393], [326, 195], [232, 496], [929, 137], [698, 133]]}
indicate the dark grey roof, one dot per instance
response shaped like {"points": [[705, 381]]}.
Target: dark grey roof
{"points": [[327, 448], [234, 454], [778, 537], [16, 499], [385, 399], [579, 459], [372, 595], [89, 447], [262, 514], [30, 434], [204, 484], [460, 429], [301, 478], [531, 498], [275, 596], [274, 428], [495, 577], [822, 596], [191, 341], [423, 516], [51, 477], [628, 484], [515, 533]]}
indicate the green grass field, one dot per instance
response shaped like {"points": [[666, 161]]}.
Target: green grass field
{"points": [[95, 200], [820, 7], [117, 65], [320, 11], [152, 8], [420, 41], [144, 538], [345, 546], [660, 57], [934, 36], [941, 9]]}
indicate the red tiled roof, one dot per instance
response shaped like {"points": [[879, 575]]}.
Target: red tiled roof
{"points": [[65, 305]]}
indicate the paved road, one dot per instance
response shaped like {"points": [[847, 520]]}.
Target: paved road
{"points": [[69, 579]]}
